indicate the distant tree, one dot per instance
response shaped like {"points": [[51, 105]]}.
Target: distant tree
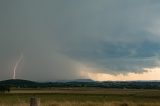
{"points": [[4, 89]]}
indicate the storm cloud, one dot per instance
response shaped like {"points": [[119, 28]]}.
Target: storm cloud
{"points": [[57, 37]]}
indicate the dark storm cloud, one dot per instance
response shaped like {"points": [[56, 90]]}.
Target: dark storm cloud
{"points": [[56, 36]]}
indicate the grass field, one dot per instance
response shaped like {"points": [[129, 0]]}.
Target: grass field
{"points": [[82, 97]]}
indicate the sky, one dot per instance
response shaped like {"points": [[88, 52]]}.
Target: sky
{"points": [[50, 40]]}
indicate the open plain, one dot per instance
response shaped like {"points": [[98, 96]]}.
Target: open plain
{"points": [[82, 97]]}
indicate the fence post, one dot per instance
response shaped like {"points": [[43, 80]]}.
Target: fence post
{"points": [[34, 102]]}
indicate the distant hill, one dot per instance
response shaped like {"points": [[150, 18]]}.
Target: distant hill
{"points": [[83, 80], [19, 83], [76, 80], [16, 81]]}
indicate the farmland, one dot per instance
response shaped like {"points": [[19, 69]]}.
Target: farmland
{"points": [[81, 97]]}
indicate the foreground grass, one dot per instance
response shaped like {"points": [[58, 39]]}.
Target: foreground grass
{"points": [[87, 104], [82, 97]]}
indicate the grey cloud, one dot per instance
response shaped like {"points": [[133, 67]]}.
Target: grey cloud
{"points": [[55, 36]]}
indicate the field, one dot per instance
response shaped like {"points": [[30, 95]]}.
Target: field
{"points": [[82, 97]]}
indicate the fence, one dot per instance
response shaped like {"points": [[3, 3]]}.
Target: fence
{"points": [[35, 102]]}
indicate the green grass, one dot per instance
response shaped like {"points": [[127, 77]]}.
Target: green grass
{"points": [[82, 97]]}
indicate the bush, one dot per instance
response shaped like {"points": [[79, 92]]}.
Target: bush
{"points": [[4, 89]]}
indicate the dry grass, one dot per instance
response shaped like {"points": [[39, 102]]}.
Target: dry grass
{"points": [[82, 97], [100, 104], [87, 104]]}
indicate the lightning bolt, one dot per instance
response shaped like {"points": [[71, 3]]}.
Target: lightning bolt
{"points": [[16, 65]]}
